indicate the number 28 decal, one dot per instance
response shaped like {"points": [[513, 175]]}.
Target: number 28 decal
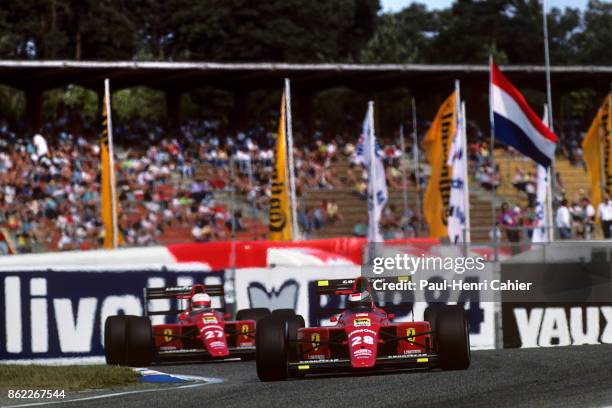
{"points": [[357, 340]]}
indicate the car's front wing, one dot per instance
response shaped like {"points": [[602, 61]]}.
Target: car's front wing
{"points": [[202, 354], [414, 361]]}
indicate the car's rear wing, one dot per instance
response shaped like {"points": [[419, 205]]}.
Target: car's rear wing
{"points": [[178, 293], [346, 286]]}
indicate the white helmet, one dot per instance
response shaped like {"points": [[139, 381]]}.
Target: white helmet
{"points": [[200, 301]]}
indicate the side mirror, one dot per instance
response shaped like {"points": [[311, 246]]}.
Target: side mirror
{"points": [[391, 315], [333, 319]]}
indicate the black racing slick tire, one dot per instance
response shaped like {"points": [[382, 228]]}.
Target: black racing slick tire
{"points": [[283, 312], [139, 341], [256, 313], [271, 351], [453, 338], [115, 328]]}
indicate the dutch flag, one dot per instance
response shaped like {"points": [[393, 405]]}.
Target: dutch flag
{"points": [[515, 124]]}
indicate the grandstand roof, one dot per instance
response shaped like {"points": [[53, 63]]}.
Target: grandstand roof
{"points": [[42, 75]]}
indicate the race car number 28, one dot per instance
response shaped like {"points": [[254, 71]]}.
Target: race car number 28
{"points": [[357, 340]]}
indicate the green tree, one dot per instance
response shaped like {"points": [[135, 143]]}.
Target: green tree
{"points": [[401, 37], [274, 30], [595, 38], [34, 29]]}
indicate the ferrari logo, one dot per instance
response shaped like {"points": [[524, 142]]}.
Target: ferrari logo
{"points": [[245, 329], [167, 335], [410, 334], [315, 339]]}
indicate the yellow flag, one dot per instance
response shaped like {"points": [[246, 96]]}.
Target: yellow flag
{"points": [[106, 187], [437, 144], [597, 152], [280, 215]]}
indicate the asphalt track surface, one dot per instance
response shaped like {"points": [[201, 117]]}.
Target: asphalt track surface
{"points": [[578, 376]]}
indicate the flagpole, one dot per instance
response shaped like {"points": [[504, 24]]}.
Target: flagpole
{"points": [[233, 215], [111, 162], [289, 126], [415, 153], [549, 207], [547, 68], [468, 225], [251, 186], [551, 168], [372, 173], [492, 155], [403, 168]]}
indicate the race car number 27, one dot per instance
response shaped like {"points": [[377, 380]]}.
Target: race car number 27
{"points": [[212, 334]]}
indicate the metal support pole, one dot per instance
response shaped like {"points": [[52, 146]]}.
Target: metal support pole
{"points": [[417, 173]]}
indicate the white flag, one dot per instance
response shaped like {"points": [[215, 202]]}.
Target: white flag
{"points": [[369, 154], [458, 206], [540, 231]]}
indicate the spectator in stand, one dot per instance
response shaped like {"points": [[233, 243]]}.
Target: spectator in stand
{"points": [[519, 181], [333, 212], [531, 189], [509, 223], [604, 212], [527, 220], [588, 214], [563, 220]]}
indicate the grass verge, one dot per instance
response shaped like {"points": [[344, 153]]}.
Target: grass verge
{"points": [[76, 377]]}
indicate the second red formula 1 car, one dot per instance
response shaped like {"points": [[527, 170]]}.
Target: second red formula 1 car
{"points": [[201, 333], [363, 338]]}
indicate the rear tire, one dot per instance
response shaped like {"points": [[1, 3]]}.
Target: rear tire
{"points": [[115, 328], [453, 338], [256, 313], [271, 350], [294, 323], [139, 341]]}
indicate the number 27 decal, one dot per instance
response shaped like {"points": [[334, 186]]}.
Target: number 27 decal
{"points": [[211, 334]]}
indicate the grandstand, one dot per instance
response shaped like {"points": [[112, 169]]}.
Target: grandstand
{"points": [[173, 78]]}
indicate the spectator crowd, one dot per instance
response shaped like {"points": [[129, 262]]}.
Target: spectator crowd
{"points": [[172, 178]]}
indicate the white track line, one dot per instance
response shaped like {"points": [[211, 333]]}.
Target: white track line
{"points": [[202, 382]]}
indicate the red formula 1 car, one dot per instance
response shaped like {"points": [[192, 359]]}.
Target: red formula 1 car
{"points": [[201, 333], [364, 338]]}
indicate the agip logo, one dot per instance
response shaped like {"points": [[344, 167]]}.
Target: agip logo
{"points": [[362, 322]]}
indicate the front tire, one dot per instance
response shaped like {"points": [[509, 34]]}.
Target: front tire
{"points": [[453, 338], [271, 350], [115, 328], [139, 341]]}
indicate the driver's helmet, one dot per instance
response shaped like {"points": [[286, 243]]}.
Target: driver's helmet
{"points": [[200, 301], [359, 300]]}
